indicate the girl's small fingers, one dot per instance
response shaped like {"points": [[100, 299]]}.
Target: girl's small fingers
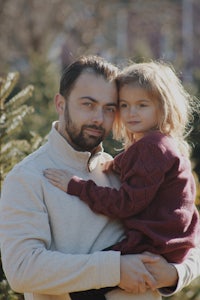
{"points": [[52, 182], [56, 184], [57, 173], [53, 178], [47, 175], [53, 171]]}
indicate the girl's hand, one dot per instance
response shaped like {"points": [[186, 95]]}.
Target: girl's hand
{"points": [[59, 178], [107, 166], [110, 166]]}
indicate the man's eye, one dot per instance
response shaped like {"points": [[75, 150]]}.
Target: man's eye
{"points": [[111, 109], [89, 104]]}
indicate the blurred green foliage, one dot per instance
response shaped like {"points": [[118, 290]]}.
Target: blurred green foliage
{"points": [[43, 77]]}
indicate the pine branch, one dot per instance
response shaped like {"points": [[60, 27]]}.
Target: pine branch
{"points": [[6, 86], [20, 98], [13, 123]]}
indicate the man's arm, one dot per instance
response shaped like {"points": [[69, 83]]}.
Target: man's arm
{"points": [[171, 278], [187, 272], [28, 260], [134, 277]]}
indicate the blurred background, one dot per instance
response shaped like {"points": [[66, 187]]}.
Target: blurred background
{"points": [[39, 38]]}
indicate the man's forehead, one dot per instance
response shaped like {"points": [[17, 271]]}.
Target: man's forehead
{"points": [[93, 81], [89, 74], [95, 87]]}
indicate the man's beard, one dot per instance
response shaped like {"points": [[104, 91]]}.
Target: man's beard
{"points": [[82, 141]]}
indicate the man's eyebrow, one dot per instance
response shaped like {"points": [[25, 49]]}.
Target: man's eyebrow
{"points": [[89, 98], [96, 101]]}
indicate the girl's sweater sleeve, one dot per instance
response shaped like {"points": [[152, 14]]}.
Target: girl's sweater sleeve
{"points": [[142, 173]]}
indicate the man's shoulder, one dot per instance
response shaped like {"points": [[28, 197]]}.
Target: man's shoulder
{"points": [[28, 164]]}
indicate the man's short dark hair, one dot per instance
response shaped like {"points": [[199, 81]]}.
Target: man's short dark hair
{"points": [[91, 64]]}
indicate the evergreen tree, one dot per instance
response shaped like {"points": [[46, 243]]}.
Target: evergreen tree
{"points": [[44, 77], [13, 113]]}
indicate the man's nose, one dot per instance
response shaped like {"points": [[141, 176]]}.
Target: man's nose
{"points": [[98, 116]]}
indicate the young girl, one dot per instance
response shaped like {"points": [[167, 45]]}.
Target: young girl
{"points": [[156, 198]]}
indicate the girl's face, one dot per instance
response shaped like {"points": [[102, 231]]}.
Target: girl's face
{"points": [[138, 111]]}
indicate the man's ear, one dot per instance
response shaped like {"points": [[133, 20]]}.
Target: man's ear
{"points": [[59, 103]]}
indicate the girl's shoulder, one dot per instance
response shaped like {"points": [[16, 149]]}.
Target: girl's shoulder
{"points": [[156, 138], [155, 144], [160, 142]]}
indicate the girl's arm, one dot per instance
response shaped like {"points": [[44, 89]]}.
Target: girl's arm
{"points": [[133, 196], [59, 178]]}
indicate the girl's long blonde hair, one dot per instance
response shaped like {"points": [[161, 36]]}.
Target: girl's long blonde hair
{"points": [[176, 106]]}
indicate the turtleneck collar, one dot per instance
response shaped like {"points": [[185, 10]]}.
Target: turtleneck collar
{"points": [[70, 156]]}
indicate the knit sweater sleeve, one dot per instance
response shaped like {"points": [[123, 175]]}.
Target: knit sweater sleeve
{"points": [[142, 172]]}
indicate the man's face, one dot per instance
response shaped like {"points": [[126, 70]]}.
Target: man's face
{"points": [[89, 112]]}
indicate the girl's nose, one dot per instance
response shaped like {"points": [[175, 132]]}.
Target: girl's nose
{"points": [[133, 110]]}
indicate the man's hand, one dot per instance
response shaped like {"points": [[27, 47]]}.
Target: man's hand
{"points": [[135, 278], [59, 178], [163, 272]]}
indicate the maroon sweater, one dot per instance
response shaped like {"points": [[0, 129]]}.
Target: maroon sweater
{"points": [[155, 201]]}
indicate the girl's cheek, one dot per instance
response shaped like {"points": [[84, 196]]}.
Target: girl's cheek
{"points": [[123, 115]]}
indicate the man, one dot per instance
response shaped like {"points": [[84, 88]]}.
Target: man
{"points": [[50, 241]]}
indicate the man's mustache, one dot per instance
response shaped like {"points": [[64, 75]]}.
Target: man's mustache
{"points": [[100, 128]]}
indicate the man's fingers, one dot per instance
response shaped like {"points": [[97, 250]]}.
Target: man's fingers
{"points": [[149, 259], [150, 281], [141, 287], [148, 277]]}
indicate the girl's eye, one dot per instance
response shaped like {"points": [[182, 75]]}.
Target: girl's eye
{"points": [[122, 105]]}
